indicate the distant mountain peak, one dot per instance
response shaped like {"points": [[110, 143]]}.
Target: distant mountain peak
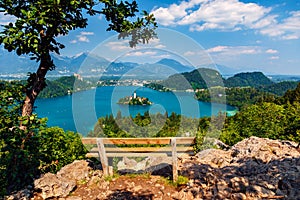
{"points": [[168, 61]]}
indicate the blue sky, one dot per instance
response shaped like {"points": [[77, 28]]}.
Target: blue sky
{"points": [[259, 35]]}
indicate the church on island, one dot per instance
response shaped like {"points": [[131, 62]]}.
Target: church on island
{"points": [[134, 100]]}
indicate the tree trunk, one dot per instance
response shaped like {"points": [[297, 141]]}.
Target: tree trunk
{"points": [[36, 84]]}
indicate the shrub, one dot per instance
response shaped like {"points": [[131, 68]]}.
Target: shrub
{"points": [[25, 153]]}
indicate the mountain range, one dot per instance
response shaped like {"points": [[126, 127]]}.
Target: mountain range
{"points": [[87, 64]]}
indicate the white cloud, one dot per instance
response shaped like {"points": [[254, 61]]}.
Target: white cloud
{"points": [[87, 33], [229, 15], [82, 37], [211, 14], [234, 50], [121, 45], [274, 57], [141, 53], [218, 49], [271, 51], [161, 56], [156, 43], [287, 29], [6, 19], [73, 41]]}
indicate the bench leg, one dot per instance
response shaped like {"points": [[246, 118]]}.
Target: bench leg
{"points": [[103, 157], [174, 160]]}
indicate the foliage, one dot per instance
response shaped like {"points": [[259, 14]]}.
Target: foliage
{"points": [[206, 129], [134, 101], [239, 96], [146, 125], [249, 79], [204, 78], [196, 79], [157, 86], [181, 180], [63, 86], [291, 96], [38, 24], [280, 88], [267, 120], [25, 153], [58, 148]]}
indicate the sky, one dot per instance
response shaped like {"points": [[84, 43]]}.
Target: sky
{"points": [[257, 35]]}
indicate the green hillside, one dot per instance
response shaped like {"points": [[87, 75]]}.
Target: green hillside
{"points": [[248, 79], [204, 78], [279, 88], [63, 86], [197, 79]]}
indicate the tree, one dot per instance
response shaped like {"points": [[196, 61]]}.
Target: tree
{"points": [[26, 153], [39, 22]]}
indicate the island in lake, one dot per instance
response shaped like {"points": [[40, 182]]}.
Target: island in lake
{"points": [[134, 100]]}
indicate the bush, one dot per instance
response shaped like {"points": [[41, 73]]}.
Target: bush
{"points": [[26, 153], [266, 120], [58, 148]]}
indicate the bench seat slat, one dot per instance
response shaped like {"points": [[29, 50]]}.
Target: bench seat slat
{"points": [[143, 149], [166, 140], [130, 154]]}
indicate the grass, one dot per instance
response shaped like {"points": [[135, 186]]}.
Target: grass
{"points": [[182, 180], [111, 177]]}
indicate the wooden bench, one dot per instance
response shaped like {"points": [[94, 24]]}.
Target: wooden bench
{"points": [[172, 146]]}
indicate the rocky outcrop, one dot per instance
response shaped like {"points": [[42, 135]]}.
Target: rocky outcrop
{"points": [[65, 181], [254, 168]]}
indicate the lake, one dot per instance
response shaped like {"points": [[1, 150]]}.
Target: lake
{"points": [[80, 111]]}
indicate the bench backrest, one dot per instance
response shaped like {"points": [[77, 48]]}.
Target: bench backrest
{"points": [[169, 148]]}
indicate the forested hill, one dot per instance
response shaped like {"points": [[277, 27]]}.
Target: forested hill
{"points": [[203, 78], [196, 79], [248, 79], [63, 86]]}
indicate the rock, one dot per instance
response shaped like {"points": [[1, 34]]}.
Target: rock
{"points": [[153, 165], [239, 184], [50, 185], [255, 168], [221, 144], [24, 194], [61, 184], [238, 196], [73, 198], [78, 170], [256, 190], [265, 149], [215, 157]]}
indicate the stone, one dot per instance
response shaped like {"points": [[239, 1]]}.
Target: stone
{"points": [[239, 184], [238, 196], [153, 165], [255, 168], [65, 181], [24, 194], [73, 198], [50, 185], [78, 170], [258, 191]]}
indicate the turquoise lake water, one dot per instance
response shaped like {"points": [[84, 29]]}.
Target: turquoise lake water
{"points": [[80, 111]]}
